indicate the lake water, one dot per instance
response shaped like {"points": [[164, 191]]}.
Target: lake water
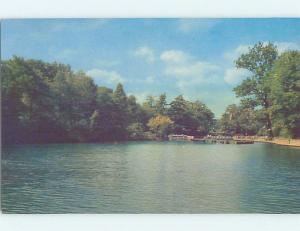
{"points": [[151, 177]]}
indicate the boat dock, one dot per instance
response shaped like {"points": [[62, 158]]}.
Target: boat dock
{"points": [[210, 139]]}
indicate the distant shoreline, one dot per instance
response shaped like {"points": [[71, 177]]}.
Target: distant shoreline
{"points": [[277, 141], [282, 142]]}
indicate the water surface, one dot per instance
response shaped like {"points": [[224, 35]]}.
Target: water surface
{"points": [[150, 177]]}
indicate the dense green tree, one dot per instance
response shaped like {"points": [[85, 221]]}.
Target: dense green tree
{"points": [[25, 100], [74, 96], [135, 111], [285, 93], [192, 118], [161, 104], [154, 106], [259, 61], [43, 102], [120, 97], [240, 120], [136, 131], [229, 122], [120, 112], [149, 106], [11, 104], [202, 117], [48, 102], [178, 112], [112, 116], [102, 119]]}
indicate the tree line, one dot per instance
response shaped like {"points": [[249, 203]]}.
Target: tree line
{"points": [[49, 102], [270, 96]]}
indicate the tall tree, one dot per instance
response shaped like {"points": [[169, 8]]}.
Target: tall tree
{"points": [[103, 118], [135, 111], [178, 112], [202, 118], [120, 112], [161, 104], [259, 61], [149, 106], [120, 97], [285, 92], [74, 96]]}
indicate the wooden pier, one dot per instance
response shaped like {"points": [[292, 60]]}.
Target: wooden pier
{"points": [[227, 141], [210, 139]]}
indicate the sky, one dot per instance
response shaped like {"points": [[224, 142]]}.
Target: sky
{"points": [[192, 57]]}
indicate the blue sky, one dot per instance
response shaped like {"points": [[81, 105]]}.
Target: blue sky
{"points": [[193, 57]]}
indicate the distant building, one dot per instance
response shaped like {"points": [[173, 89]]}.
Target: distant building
{"points": [[180, 137]]}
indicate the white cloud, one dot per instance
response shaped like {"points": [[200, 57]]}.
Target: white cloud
{"points": [[198, 79], [104, 76], [235, 53], [146, 53], [234, 76], [244, 48], [189, 25], [285, 46], [182, 65], [192, 77], [174, 56], [201, 70]]}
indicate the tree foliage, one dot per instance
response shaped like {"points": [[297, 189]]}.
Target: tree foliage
{"points": [[190, 117], [271, 94], [259, 61], [160, 125], [49, 102], [285, 93], [240, 120]]}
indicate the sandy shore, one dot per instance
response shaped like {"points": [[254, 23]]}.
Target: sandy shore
{"points": [[281, 141]]}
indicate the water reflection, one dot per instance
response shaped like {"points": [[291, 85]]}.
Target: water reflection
{"points": [[150, 177]]}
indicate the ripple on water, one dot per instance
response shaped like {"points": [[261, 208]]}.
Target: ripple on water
{"points": [[150, 177]]}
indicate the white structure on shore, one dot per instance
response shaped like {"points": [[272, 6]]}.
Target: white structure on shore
{"points": [[180, 137]]}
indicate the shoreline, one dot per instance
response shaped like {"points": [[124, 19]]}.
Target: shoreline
{"points": [[276, 141], [297, 145], [281, 141]]}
